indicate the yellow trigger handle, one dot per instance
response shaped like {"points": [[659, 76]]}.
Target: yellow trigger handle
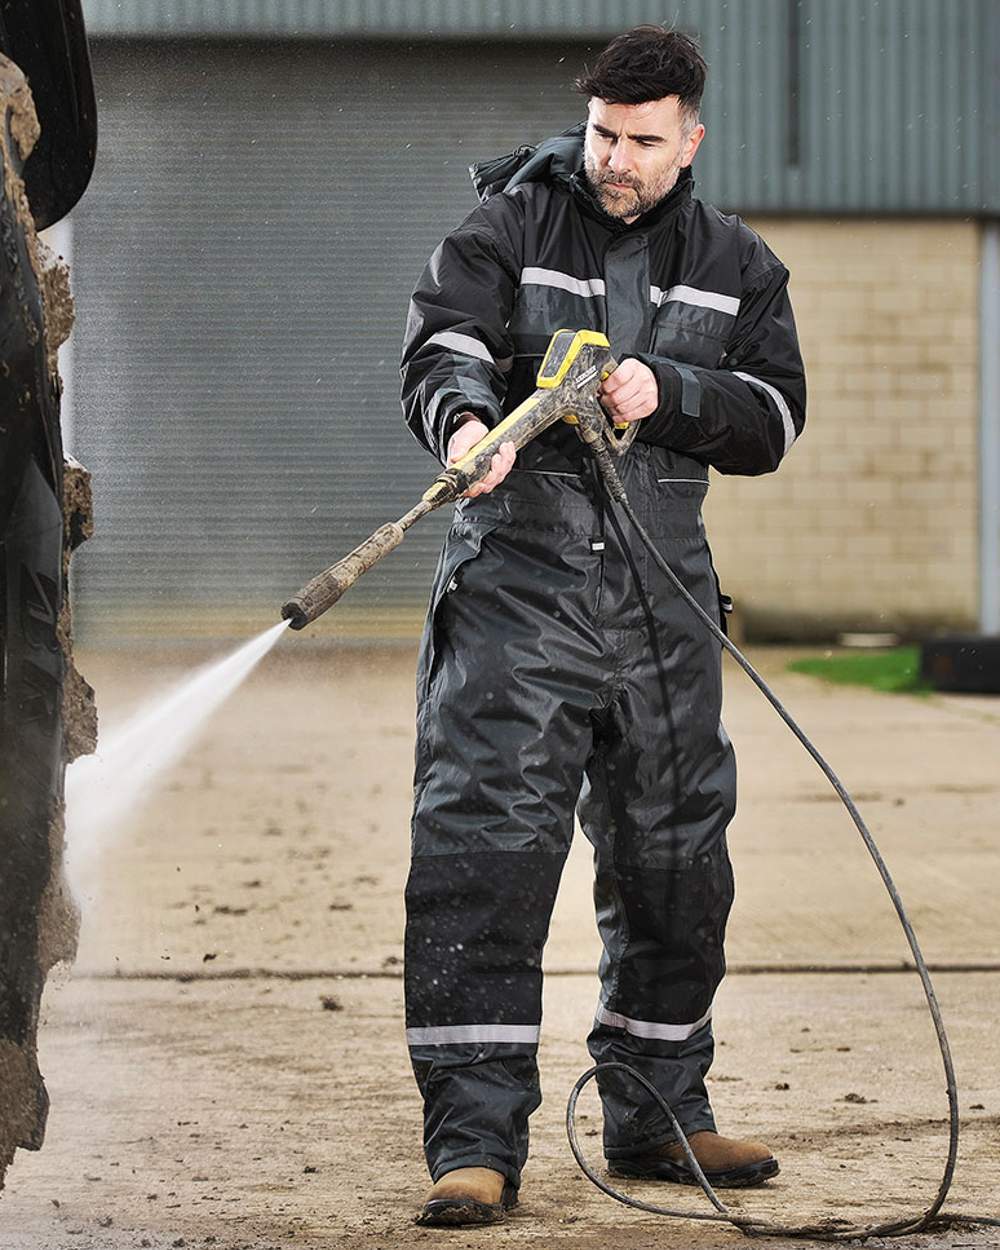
{"points": [[563, 349]]}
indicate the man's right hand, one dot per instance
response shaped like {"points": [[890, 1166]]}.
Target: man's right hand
{"points": [[464, 439]]}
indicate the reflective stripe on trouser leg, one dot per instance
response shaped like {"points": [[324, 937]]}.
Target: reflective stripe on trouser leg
{"points": [[476, 925], [669, 970], [499, 763], [661, 791]]}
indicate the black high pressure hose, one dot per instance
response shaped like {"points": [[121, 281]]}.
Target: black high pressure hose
{"points": [[827, 1231]]}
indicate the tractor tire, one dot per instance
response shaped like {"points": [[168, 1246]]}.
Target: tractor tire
{"points": [[37, 923]]}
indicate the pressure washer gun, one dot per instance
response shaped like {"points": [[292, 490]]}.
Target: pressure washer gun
{"points": [[575, 364]]}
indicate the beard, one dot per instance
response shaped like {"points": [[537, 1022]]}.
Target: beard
{"points": [[636, 197]]}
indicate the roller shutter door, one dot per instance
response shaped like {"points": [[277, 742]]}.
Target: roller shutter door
{"points": [[258, 216]]}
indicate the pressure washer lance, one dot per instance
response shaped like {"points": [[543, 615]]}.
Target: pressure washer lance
{"points": [[568, 382]]}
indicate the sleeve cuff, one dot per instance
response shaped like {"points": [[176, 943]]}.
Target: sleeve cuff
{"points": [[451, 423], [658, 426]]}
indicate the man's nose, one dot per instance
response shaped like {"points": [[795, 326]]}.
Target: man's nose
{"points": [[618, 161]]}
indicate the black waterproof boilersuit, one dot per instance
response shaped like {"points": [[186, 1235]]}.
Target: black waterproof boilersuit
{"points": [[558, 670]]}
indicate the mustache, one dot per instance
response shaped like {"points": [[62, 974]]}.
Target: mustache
{"points": [[625, 180]]}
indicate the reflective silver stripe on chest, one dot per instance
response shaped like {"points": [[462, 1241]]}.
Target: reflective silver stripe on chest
{"points": [[696, 297], [549, 300], [692, 324], [532, 275]]}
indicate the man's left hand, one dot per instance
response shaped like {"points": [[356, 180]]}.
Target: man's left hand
{"points": [[630, 393]]}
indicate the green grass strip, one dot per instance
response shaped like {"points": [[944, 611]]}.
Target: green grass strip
{"points": [[896, 671]]}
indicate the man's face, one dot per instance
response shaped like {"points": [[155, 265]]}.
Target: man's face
{"points": [[633, 153]]}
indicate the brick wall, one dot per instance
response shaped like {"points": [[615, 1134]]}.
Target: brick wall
{"points": [[871, 522]]}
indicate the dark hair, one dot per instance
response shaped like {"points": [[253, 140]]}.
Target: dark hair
{"points": [[647, 63]]}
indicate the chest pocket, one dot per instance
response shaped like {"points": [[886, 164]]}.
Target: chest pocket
{"points": [[548, 300], [694, 325]]}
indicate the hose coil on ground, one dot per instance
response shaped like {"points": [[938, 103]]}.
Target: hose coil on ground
{"points": [[830, 1230]]}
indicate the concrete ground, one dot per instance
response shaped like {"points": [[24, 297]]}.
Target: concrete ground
{"points": [[226, 1062]]}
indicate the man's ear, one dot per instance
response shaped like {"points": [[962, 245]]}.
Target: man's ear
{"points": [[692, 144]]}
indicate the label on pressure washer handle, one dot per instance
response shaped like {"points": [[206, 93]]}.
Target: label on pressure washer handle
{"points": [[563, 349], [559, 347]]}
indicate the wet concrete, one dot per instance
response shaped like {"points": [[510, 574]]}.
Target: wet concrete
{"points": [[227, 1063]]}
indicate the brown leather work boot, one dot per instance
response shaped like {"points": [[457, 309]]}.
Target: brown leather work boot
{"points": [[469, 1196], [726, 1162]]}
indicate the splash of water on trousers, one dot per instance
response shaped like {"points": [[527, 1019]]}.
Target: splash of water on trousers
{"points": [[102, 789]]}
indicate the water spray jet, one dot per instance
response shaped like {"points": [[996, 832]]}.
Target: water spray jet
{"points": [[104, 788]]}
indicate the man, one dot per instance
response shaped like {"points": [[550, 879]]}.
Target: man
{"points": [[558, 664]]}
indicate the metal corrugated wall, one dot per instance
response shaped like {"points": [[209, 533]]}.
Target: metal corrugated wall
{"points": [[243, 259], [440, 19], [853, 106], [899, 106], [819, 105], [260, 211]]}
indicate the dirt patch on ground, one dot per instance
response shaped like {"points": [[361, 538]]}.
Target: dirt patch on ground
{"points": [[227, 1065], [251, 1114]]}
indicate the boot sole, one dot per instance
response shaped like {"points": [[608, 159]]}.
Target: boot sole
{"points": [[744, 1177], [459, 1212]]}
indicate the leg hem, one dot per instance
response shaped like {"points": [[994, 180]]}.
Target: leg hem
{"points": [[508, 1170], [636, 1150]]}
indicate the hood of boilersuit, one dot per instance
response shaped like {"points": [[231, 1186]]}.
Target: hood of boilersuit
{"points": [[559, 161]]}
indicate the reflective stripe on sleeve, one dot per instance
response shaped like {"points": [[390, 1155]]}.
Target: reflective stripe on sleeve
{"points": [[692, 295], [650, 1028], [463, 343], [456, 1034], [780, 403], [587, 287]]}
